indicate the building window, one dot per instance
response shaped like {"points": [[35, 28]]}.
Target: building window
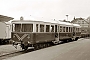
{"points": [[79, 22], [82, 22]]}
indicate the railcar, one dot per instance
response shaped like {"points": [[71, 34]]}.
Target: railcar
{"points": [[38, 34], [83, 35], [76, 31], [85, 32]]}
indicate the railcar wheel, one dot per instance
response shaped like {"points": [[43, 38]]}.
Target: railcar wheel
{"points": [[76, 39], [25, 48], [36, 46], [41, 46], [70, 40], [47, 44], [44, 46], [66, 41]]}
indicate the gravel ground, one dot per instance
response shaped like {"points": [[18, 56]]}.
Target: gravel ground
{"points": [[6, 49]]}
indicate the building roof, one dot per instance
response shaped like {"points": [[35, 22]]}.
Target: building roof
{"points": [[5, 18], [75, 19]]}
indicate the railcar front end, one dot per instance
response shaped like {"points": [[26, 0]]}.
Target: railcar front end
{"points": [[76, 31], [23, 38], [22, 34]]}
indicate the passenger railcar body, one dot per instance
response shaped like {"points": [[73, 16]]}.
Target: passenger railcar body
{"points": [[65, 31], [76, 31], [85, 32], [39, 34]]}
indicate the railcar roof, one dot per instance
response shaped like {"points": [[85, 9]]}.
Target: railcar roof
{"points": [[65, 23], [46, 21], [76, 25]]}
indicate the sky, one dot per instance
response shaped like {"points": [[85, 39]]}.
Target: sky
{"points": [[45, 9]]}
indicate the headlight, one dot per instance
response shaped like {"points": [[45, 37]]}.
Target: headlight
{"points": [[13, 41], [28, 36], [29, 42]]}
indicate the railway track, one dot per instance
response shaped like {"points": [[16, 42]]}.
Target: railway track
{"points": [[10, 55]]}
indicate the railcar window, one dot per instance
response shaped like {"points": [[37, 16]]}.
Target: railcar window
{"points": [[63, 29], [17, 27], [52, 28], [41, 28], [36, 27], [55, 28], [74, 29], [27, 27], [66, 29], [60, 28], [69, 29], [47, 28], [78, 29], [13, 27]]}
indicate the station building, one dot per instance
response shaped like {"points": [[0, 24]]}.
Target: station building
{"points": [[5, 28]]}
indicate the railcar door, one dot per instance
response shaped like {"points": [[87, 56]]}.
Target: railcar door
{"points": [[56, 34], [74, 33]]}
